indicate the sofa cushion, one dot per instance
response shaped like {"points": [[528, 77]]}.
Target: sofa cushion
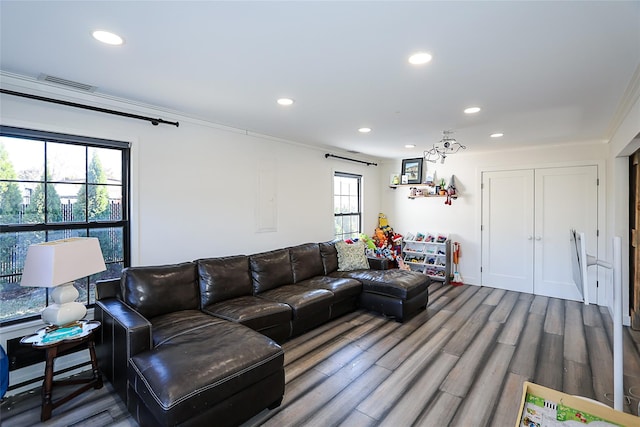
{"points": [[329, 256], [351, 256], [304, 302], [207, 366], [168, 326], [306, 261], [157, 290], [257, 313], [224, 278], [341, 287], [270, 270]]}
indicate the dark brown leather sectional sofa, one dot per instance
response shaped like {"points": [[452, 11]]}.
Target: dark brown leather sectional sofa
{"points": [[197, 343]]}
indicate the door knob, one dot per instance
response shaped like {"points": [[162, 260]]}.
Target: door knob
{"points": [[530, 238], [538, 238]]}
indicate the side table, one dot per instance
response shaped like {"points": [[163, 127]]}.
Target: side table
{"points": [[52, 349]]}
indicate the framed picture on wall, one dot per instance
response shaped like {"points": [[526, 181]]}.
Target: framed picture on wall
{"points": [[412, 168]]}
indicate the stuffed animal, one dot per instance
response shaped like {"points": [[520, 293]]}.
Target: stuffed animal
{"points": [[402, 265], [452, 194], [367, 241], [380, 238], [382, 220]]}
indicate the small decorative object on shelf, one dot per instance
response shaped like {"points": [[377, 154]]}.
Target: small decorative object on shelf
{"points": [[412, 168], [428, 253], [425, 190], [452, 194]]}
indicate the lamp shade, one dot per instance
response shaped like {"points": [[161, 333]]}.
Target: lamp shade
{"points": [[53, 263]]}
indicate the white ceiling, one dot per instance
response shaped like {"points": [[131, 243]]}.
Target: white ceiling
{"points": [[543, 72]]}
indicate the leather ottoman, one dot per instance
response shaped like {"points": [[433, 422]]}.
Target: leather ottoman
{"points": [[394, 293], [214, 373]]}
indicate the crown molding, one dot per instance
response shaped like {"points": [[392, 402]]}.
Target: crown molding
{"points": [[629, 99]]}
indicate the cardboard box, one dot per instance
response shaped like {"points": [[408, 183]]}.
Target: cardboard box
{"points": [[546, 403]]}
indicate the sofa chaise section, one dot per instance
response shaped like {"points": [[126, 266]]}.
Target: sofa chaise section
{"points": [[196, 369], [214, 372]]}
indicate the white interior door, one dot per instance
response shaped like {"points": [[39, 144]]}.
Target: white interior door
{"points": [[507, 230], [526, 218], [565, 198]]}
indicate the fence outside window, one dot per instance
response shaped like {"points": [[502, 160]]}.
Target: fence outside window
{"points": [[52, 187]]}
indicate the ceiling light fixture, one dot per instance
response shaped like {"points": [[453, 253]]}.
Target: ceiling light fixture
{"points": [[410, 146], [472, 110], [364, 130], [497, 135], [440, 150], [420, 58], [108, 38], [285, 101]]}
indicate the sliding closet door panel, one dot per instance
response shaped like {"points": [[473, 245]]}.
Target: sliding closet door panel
{"points": [[507, 230], [565, 198]]}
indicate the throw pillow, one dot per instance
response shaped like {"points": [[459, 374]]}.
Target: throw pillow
{"points": [[351, 256]]}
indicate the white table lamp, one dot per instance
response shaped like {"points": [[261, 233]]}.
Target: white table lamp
{"points": [[56, 265]]}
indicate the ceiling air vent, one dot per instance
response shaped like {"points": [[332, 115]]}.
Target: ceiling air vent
{"points": [[68, 83]]}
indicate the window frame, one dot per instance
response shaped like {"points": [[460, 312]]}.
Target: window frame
{"points": [[87, 224], [357, 214]]}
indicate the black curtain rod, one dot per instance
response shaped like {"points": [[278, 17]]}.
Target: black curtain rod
{"points": [[351, 160], [153, 121]]}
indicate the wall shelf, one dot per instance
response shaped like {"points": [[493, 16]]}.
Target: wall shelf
{"points": [[426, 195], [425, 191]]}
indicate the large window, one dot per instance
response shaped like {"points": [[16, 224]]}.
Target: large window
{"points": [[347, 205], [56, 186]]}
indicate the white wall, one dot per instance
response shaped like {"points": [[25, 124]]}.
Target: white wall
{"points": [[462, 219], [187, 205], [194, 187], [624, 142]]}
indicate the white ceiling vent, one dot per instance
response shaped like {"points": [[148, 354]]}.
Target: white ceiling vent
{"points": [[68, 83]]}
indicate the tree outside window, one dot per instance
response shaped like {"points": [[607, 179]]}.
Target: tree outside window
{"points": [[52, 188]]}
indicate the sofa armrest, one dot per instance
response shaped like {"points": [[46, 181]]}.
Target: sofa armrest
{"points": [[378, 263], [109, 288], [124, 333]]}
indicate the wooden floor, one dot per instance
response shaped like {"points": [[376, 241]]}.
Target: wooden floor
{"points": [[461, 362]]}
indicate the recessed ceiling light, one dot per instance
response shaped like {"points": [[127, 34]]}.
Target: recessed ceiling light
{"points": [[364, 130], [497, 135], [420, 58], [108, 38], [285, 101], [471, 110], [410, 146]]}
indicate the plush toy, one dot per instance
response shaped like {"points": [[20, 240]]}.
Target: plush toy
{"points": [[380, 238], [368, 242], [451, 191], [402, 265], [382, 220], [387, 244]]}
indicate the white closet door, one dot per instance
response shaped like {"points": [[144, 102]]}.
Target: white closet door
{"points": [[507, 230], [565, 198]]}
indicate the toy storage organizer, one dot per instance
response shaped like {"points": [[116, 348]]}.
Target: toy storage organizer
{"points": [[428, 253]]}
